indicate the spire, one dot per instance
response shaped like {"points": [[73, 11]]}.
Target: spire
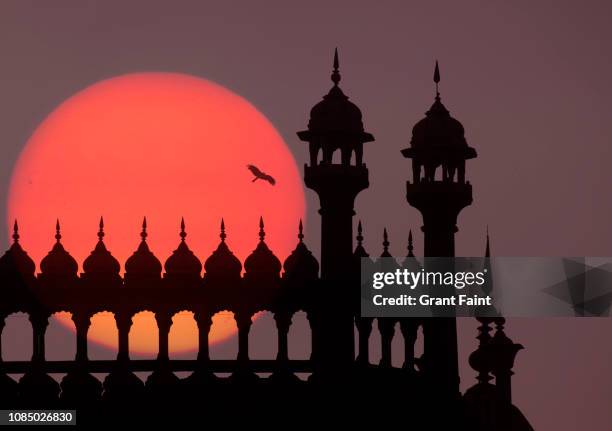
{"points": [[385, 242], [301, 232], [15, 232], [488, 248], [144, 234], [262, 234], [101, 229], [410, 246], [436, 78], [222, 235], [58, 235], [359, 235], [335, 77], [183, 234]]}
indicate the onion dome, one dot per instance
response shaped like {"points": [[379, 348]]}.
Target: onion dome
{"points": [[386, 263], [142, 264], [222, 265], [101, 264], [183, 263], [301, 265], [410, 262], [58, 264], [262, 265], [439, 133], [363, 266], [335, 114], [15, 264]]}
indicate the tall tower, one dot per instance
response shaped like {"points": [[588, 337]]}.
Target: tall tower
{"points": [[438, 150], [335, 124]]}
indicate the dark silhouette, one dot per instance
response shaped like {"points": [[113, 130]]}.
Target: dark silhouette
{"points": [[259, 175], [342, 386]]}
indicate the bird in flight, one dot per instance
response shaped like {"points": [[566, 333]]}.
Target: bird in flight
{"points": [[259, 175]]}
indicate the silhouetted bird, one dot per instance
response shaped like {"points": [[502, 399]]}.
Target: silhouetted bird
{"points": [[259, 175]]}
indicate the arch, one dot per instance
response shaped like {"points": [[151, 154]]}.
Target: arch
{"points": [[300, 337], [419, 346], [397, 348], [17, 338], [375, 344], [60, 341], [144, 336], [183, 338], [223, 322], [263, 342], [103, 322]]}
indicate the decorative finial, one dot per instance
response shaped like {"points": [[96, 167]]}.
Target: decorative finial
{"points": [[436, 79], [144, 234], [262, 234], [359, 234], [222, 235], [101, 229], [301, 232], [385, 241], [410, 246], [183, 234], [336, 73], [488, 248], [15, 232], [58, 236]]}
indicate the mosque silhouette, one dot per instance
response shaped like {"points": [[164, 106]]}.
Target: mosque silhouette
{"points": [[341, 381]]}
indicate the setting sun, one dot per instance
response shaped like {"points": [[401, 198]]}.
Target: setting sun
{"points": [[164, 146]]}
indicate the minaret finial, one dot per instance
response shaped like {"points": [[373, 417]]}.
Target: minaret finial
{"points": [[58, 235], [301, 232], [488, 248], [262, 234], [15, 232], [144, 234], [336, 73], [385, 241], [222, 234], [359, 234], [101, 229], [436, 79], [183, 234], [410, 245]]}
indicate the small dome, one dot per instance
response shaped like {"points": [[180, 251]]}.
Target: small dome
{"points": [[438, 129], [262, 265], [183, 262], [439, 135], [222, 265], [101, 263], [15, 264], [301, 265], [335, 114], [143, 263], [58, 263]]}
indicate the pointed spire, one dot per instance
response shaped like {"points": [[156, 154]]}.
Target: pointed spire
{"points": [[336, 73], [101, 229], [410, 245], [488, 248], [359, 234], [385, 241], [222, 235], [183, 234], [436, 78], [15, 232], [144, 234], [58, 235], [301, 231], [262, 234]]}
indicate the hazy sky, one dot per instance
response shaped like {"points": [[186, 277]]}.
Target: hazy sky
{"points": [[529, 81]]}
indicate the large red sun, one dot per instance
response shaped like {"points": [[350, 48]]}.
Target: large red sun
{"points": [[164, 146]]}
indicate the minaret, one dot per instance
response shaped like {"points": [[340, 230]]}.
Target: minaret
{"points": [[438, 141], [336, 124]]}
